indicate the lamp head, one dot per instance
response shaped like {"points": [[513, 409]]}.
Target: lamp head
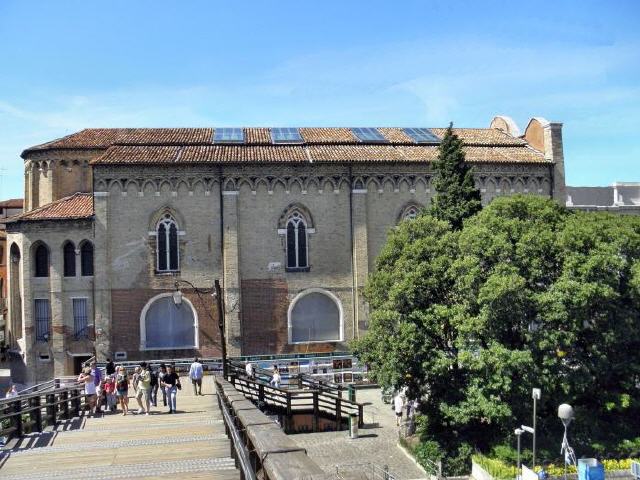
{"points": [[566, 414], [518, 431], [536, 393], [177, 296]]}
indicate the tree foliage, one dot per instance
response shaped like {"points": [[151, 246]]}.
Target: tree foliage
{"points": [[526, 294], [456, 196]]}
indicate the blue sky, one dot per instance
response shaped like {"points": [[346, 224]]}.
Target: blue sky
{"points": [[69, 65]]}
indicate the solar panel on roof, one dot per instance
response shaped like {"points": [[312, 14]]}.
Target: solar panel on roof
{"points": [[286, 135], [228, 135], [368, 135], [422, 135]]}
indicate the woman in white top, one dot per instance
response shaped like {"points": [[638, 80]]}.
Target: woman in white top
{"points": [[276, 378], [89, 388], [398, 405]]}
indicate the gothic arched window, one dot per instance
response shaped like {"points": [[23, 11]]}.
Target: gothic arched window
{"points": [[297, 252], [41, 260], [86, 259], [69, 259], [409, 212], [167, 244]]}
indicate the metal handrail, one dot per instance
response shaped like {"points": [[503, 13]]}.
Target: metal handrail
{"points": [[238, 445]]}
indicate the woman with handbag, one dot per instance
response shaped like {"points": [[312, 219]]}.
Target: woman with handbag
{"points": [[171, 384]]}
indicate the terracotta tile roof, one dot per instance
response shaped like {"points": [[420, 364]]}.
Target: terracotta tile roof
{"points": [[78, 205], [327, 135], [12, 203], [118, 155], [189, 145]]}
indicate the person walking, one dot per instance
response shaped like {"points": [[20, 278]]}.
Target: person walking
{"points": [[143, 392], [195, 374], [275, 378], [110, 367], [12, 392], [97, 380], [171, 384], [110, 393], [122, 389], [134, 378], [250, 370], [161, 374], [398, 406], [89, 388], [154, 387]]}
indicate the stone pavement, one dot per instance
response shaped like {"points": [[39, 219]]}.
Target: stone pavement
{"points": [[188, 445], [377, 443]]}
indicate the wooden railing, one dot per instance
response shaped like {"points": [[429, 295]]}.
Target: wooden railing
{"points": [[290, 402], [34, 411]]}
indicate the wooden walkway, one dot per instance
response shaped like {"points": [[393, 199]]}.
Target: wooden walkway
{"points": [[188, 445]]}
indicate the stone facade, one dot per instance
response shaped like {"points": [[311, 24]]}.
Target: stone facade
{"points": [[231, 222]]}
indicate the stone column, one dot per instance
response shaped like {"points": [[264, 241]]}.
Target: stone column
{"points": [[101, 276], [231, 272], [27, 342], [553, 151], [360, 258], [58, 330]]}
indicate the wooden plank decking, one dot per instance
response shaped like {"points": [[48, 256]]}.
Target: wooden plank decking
{"points": [[188, 445]]}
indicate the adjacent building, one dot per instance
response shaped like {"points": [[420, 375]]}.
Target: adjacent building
{"points": [[289, 219], [8, 208], [621, 197]]}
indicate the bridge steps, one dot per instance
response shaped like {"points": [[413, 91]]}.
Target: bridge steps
{"points": [[188, 445]]}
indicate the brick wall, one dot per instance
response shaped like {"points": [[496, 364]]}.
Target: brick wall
{"points": [[127, 306], [265, 304]]}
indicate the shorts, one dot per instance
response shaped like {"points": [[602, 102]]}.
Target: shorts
{"points": [[398, 414], [143, 393], [122, 393]]}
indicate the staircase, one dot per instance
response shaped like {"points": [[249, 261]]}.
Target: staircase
{"points": [[188, 445]]}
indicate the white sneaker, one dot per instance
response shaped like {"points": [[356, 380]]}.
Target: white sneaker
{"points": [[140, 411], [147, 413]]}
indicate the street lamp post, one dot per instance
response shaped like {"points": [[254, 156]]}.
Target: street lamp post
{"points": [[217, 294], [535, 394], [566, 415], [518, 432]]}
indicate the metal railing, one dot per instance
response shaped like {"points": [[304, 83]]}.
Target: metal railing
{"points": [[34, 411], [53, 384]]}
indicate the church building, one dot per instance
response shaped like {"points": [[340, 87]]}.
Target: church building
{"points": [[290, 220]]}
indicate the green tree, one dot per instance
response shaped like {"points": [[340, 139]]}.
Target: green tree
{"points": [[456, 196], [526, 295]]}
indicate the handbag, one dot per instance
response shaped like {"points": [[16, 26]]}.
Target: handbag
{"points": [[179, 386]]}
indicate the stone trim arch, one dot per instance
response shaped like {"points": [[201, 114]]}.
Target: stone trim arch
{"points": [[406, 209], [282, 221], [303, 294], [143, 328]]}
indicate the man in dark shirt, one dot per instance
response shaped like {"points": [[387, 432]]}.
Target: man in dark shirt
{"points": [[171, 384], [111, 368]]}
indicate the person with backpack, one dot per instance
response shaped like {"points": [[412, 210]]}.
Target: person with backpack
{"points": [[154, 387]]}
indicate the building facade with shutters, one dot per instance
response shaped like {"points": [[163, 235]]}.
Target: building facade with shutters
{"points": [[290, 221]]}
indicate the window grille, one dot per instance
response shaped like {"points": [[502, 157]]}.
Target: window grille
{"points": [[43, 319], [80, 321]]}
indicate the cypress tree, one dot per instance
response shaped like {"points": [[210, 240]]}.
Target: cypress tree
{"points": [[456, 196]]}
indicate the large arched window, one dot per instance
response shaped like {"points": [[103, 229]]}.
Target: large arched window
{"points": [[409, 212], [167, 244], [315, 315], [41, 261], [69, 259], [167, 326], [297, 252], [86, 259]]}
